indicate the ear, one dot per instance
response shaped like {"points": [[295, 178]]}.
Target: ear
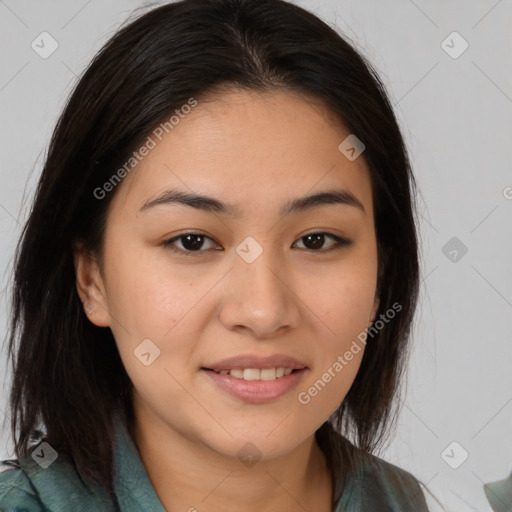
{"points": [[90, 286]]}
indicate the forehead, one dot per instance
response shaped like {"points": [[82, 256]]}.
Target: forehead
{"points": [[249, 148]]}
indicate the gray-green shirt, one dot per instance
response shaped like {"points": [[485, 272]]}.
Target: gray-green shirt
{"points": [[378, 486]]}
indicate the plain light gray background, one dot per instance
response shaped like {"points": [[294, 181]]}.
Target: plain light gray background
{"points": [[456, 114]]}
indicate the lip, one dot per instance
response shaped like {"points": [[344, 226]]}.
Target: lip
{"points": [[254, 361], [256, 391]]}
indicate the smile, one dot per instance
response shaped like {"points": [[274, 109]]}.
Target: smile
{"points": [[256, 373], [255, 385]]}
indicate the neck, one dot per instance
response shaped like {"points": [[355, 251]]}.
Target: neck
{"points": [[189, 476]]}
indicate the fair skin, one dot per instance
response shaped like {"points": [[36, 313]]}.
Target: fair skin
{"points": [[296, 298]]}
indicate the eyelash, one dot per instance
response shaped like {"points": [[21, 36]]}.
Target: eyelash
{"points": [[340, 243]]}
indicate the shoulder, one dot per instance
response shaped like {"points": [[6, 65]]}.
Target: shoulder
{"points": [[25, 486], [399, 489], [16, 491], [374, 484]]}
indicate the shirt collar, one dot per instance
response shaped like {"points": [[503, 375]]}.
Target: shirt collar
{"points": [[135, 491], [132, 484]]}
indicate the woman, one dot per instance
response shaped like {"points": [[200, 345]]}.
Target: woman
{"points": [[214, 291]]}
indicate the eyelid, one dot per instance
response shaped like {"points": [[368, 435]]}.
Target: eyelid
{"points": [[168, 244], [340, 242]]}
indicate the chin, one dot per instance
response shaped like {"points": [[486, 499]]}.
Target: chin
{"points": [[250, 445]]}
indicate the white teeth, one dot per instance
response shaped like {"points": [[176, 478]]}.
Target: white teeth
{"points": [[251, 374], [257, 374], [268, 374]]}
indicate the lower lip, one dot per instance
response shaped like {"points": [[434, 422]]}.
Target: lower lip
{"points": [[256, 391]]}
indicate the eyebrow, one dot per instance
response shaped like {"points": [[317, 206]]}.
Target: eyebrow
{"points": [[211, 204]]}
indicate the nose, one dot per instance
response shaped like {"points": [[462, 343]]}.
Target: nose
{"points": [[260, 298]]}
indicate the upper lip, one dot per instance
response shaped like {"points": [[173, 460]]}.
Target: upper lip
{"points": [[254, 361]]}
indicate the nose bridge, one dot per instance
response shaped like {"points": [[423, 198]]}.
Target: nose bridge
{"points": [[257, 266], [259, 298]]}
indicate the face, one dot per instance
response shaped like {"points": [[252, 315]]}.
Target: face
{"points": [[251, 285]]}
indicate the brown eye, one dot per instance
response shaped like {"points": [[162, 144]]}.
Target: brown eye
{"points": [[192, 244], [315, 241]]}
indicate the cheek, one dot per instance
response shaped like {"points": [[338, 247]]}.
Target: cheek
{"points": [[342, 301], [150, 305], [149, 300], [339, 347], [146, 293]]}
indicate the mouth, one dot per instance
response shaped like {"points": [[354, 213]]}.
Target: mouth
{"points": [[255, 385], [266, 374], [255, 379], [251, 364]]}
